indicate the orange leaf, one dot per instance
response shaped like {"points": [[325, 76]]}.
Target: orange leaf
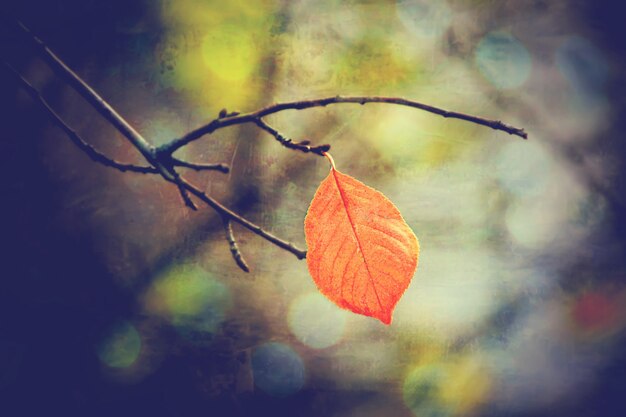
{"points": [[361, 253]]}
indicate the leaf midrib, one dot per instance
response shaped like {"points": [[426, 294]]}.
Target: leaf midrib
{"points": [[356, 236]]}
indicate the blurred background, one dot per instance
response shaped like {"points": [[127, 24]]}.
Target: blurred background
{"points": [[115, 299]]}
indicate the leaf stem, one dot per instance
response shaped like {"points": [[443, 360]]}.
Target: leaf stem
{"points": [[331, 160]]}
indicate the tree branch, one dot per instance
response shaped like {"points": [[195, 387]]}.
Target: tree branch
{"points": [[222, 122], [225, 212], [95, 155], [93, 98], [232, 243], [303, 146], [224, 168], [105, 110], [162, 161]]}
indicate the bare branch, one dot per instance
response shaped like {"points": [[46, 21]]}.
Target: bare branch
{"points": [[307, 104], [185, 195], [201, 167], [227, 213], [105, 110], [97, 102], [161, 160], [165, 164], [303, 146], [232, 243], [74, 137]]}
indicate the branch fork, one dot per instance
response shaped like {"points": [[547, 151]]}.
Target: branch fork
{"points": [[161, 159]]}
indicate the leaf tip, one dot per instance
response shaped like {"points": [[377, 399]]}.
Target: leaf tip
{"points": [[385, 317]]}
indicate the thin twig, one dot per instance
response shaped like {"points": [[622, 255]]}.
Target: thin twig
{"points": [[93, 98], [201, 167], [105, 110], [303, 146], [225, 212], [95, 155], [232, 243], [185, 195], [184, 186], [164, 163], [306, 104]]}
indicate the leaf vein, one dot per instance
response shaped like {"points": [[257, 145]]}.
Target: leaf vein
{"points": [[360, 247]]}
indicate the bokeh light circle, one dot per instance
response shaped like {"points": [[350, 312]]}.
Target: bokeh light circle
{"points": [[503, 60], [121, 346], [425, 18], [229, 52], [315, 321], [524, 168], [190, 298], [450, 386], [278, 370], [533, 225], [585, 68], [421, 391]]}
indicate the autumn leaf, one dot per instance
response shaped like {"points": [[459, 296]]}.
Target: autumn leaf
{"points": [[361, 253]]}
